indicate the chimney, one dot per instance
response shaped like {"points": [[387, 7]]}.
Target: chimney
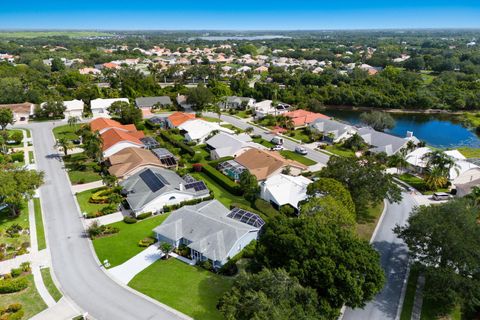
{"points": [[409, 134], [181, 187]]}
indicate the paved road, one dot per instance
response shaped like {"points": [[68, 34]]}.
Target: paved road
{"points": [[288, 144], [78, 272], [394, 261]]}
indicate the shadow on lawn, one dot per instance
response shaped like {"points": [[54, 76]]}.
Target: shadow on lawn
{"points": [[210, 292]]}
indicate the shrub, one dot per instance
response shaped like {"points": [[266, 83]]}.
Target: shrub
{"points": [[146, 242], [221, 179], [265, 207], [111, 208], [287, 210], [16, 272], [144, 215], [186, 203], [18, 156], [14, 307], [129, 220], [14, 230], [12, 312], [17, 136], [13, 285], [25, 266], [185, 148], [100, 196], [207, 265]]}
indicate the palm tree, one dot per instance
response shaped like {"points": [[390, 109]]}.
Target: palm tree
{"points": [[65, 144], [410, 146], [249, 130], [217, 110], [72, 121], [435, 178], [441, 161], [165, 248], [92, 143], [475, 195], [399, 160]]}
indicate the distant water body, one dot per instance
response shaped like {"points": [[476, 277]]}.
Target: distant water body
{"points": [[440, 131], [224, 38]]}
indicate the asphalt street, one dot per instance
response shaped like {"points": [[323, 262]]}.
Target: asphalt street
{"points": [[75, 267], [394, 261]]}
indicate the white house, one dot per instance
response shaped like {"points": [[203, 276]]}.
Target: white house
{"points": [[281, 189], [264, 108], [211, 231], [332, 131], [74, 108], [227, 145], [99, 106], [199, 130], [152, 188]]}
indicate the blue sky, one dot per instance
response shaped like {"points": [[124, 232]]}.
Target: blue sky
{"points": [[238, 15]]}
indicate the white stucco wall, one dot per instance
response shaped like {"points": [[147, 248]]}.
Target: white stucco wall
{"points": [[118, 147]]}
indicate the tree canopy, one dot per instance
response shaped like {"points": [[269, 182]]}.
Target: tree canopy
{"points": [[17, 186], [126, 112], [378, 120], [6, 117]]}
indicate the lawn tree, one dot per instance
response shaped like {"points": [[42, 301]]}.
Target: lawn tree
{"points": [[365, 179], [109, 180], [92, 144], [249, 185], [199, 97], [73, 121], [166, 248], [269, 294], [52, 109], [249, 130], [17, 137], [6, 118], [126, 112], [65, 144], [3, 142], [18, 186], [398, 160], [218, 112], [444, 240], [326, 257], [328, 210], [378, 120], [355, 143], [439, 165]]}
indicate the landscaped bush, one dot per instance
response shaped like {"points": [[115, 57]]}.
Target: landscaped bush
{"points": [[187, 149], [14, 230], [17, 156], [12, 312], [101, 196], [13, 285], [207, 265], [222, 179], [146, 242], [186, 203], [129, 220], [265, 207], [144, 215], [25, 266], [183, 251], [95, 230], [16, 272]]}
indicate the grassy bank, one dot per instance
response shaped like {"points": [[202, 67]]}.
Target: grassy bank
{"points": [[51, 287], [366, 225], [42, 244]]}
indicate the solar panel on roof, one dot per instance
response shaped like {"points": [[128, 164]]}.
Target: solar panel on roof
{"points": [[189, 179], [197, 186], [168, 161], [246, 217], [152, 180]]}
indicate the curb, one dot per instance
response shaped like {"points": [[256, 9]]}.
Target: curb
{"points": [[377, 227]]}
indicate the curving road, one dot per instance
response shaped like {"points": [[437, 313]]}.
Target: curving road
{"points": [[394, 261], [74, 264]]}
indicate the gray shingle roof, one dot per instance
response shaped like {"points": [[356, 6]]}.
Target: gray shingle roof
{"points": [[139, 194], [208, 228], [382, 142], [149, 102], [226, 144], [331, 126]]}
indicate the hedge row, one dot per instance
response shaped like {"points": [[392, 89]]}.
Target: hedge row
{"points": [[177, 143], [222, 180], [13, 285], [186, 203]]}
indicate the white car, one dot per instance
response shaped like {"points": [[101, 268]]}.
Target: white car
{"points": [[278, 147], [301, 150]]}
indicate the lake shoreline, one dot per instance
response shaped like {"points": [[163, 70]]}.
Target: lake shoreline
{"points": [[399, 111]]}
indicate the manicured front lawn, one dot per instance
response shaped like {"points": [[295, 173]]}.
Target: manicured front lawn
{"points": [[66, 131], [263, 142], [366, 225], [81, 169], [81, 177], [83, 201], [6, 221], [243, 114], [189, 289], [30, 299], [470, 152], [232, 127], [297, 157], [42, 244], [211, 119], [51, 287], [123, 245], [413, 181], [300, 134], [340, 151]]}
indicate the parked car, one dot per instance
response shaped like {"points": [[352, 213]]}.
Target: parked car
{"points": [[278, 147], [301, 150], [277, 140], [439, 196]]}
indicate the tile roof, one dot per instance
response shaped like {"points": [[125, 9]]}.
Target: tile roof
{"points": [[100, 124], [129, 159], [302, 117], [262, 163], [178, 118], [25, 107], [114, 136]]}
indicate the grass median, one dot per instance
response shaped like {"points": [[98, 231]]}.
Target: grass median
{"points": [[50, 285], [42, 243]]}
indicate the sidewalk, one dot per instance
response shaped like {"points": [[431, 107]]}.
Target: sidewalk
{"points": [[62, 310], [87, 186], [107, 219]]}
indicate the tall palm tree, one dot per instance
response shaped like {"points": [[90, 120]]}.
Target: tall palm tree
{"points": [[435, 178], [65, 144], [475, 195], [441, 161], [399, 160], [72, 121]]}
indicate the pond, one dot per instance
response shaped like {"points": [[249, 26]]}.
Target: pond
{"points": [[440, 131]]}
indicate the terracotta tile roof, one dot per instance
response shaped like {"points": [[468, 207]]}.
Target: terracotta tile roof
{"points": [[114, 136], [130, 159], [262, 163], [177, 118], [111, 65], [25, 107], [302, 117], [104, 123]]}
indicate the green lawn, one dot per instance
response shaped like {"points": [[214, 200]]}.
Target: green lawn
{"points": [[299, 134], [42, 244], [76, 173], [409, 294], [31, 157], [29, 298], [222, 195], [297, 157], [10, 133], [123, 245], [470, 152], [243, 114], [29, 133], [51, 287], [418, 183], [81, 177], [85, 205], [263, 142], [211, 119], [232, 127], [66, 131], [366, 225], [340, 151], [189, 289], [6, 221]]}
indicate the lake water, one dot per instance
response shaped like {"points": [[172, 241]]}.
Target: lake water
{"points": [[441, 131]]}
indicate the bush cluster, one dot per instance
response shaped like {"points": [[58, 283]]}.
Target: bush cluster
{"points": [[186, 203], [12, 312], [129, 220], [144, 215], [146, 242], [185, 148], [13, 285], [222, 179]]}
